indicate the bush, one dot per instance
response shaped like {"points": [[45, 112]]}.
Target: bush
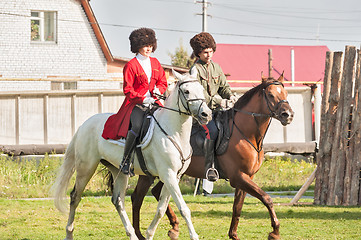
{"points": [[33, 178]]}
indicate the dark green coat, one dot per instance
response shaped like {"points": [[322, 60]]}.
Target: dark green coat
{"points": [[214, 83]]}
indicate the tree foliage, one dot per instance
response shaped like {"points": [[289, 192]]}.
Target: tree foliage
{"points": [[181, 58]]}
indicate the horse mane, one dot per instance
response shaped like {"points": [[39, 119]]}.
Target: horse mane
{"points": [[242, 101]]}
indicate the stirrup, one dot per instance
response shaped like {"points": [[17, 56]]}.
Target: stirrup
{"points": [[212, 174], [126, 169]]}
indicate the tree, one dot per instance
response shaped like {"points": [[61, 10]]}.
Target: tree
{"points": [[181, 58]]}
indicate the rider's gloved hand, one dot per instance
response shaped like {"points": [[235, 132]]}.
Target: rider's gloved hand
{"points": [[148, 101], [227, 104], [233, 99], [156, 91]]}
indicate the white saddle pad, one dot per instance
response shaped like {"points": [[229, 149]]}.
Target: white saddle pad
{"points": [[145, 140]]}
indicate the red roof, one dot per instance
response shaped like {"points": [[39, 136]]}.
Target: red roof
{"points": [[246, 62]]}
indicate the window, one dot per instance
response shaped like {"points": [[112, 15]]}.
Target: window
{"points": [[55, 85], [43, 26], [70, 85]]}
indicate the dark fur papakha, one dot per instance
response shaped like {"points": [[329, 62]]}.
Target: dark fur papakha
{"points": [[202, 41], [142, 37]]}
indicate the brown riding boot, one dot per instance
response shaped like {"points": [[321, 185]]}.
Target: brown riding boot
{"points": [[210, 172]]}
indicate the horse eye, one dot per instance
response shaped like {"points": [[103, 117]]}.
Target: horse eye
{"points": [[186, 92]]}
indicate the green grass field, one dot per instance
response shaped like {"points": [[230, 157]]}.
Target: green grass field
{"points": [[33, 178], [97, 219]]}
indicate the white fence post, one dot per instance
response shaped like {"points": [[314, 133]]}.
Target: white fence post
{"points": [[317, 112]]}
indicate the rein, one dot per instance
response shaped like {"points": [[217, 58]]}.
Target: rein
{"points": [[271, 115], [183, 159], [180, 93], [260, 143]]}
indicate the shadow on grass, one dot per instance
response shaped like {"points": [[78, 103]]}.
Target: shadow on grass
{"points": [[288, 214]]}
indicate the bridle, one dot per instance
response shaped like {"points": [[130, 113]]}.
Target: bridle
{"points": [[275, 110], [185, 104], [272, 114]]}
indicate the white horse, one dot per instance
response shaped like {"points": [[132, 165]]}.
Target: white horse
{"points": [[167, 155]]}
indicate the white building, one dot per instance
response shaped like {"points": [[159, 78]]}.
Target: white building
{"points": [[52, 44]]}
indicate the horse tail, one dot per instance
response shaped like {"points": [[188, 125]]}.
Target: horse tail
{"points": [[108, 179], [65, 173]]}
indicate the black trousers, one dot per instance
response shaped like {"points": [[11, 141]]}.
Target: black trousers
{"points": [[136, 119], [211, 130]]}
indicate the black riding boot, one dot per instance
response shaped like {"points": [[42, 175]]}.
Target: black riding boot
{"points": [[210, 172], [130, 143]]}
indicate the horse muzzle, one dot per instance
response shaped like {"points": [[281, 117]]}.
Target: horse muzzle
{"points": [[204, 115], [285, 116]]}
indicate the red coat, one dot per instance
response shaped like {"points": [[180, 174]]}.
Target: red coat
{"points": [[135, 86]]}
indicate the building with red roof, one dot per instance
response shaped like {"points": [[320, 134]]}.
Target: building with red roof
{"points": [[244, 64]]}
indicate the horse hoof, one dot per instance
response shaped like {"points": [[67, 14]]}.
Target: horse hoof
{"points": [[173, 234], [273, 236]]}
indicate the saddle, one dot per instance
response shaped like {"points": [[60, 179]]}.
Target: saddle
{"points": [[198, 136], [142, 134]]}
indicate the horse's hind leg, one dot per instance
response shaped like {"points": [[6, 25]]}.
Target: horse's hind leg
{"points": [[239, 197], [120, 187], [173, 220], [137, 197], [82, 179], [244, 182]]}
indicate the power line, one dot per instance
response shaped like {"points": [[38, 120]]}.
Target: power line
{"points": [[288, 9], [241, 35], [288, 28], [284, 15], [188, 31], [288, 38]]}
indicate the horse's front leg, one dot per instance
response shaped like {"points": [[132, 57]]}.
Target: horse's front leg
{"points": [[173, 220], [161, 208], [245, 183], [137, 197], [239, 197], [170, 181]]}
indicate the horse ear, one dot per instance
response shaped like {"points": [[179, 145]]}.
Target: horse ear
{"points": [[176, 74], [281, 78], [193, 73], [263, 77], [170, 88]]}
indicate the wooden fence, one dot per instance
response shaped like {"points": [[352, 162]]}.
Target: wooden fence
{"points": [[50, 117], [338, 159], [45, 121]]}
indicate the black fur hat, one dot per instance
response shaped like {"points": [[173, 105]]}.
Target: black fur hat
{"points": [[142, 37], [202, 41]]}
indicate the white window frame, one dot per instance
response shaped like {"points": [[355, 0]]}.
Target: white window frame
{"points": [[41, 19]]}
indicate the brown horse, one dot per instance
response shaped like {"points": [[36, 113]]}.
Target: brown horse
{"points": [[252, 115]]}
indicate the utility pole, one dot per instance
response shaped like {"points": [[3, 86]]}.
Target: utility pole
{"points": [[204, 14], [270, 66]]}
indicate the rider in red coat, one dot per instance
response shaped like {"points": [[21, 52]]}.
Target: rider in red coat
{"points": [[143, 76]]}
